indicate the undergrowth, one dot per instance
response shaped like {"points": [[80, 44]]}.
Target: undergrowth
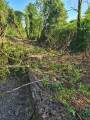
{"points": [[64, 79]]}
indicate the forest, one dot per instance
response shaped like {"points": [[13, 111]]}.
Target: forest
{"points": [[44, 61]]}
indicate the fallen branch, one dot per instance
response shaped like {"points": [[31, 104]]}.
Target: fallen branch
{"points": [[2, 32], [24, 85], [78, 116], [9, 56], [68, 40], [49, 36]]}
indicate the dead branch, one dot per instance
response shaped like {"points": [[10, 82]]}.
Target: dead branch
{"points": [[72, 8], [49, 36], [2, 32], [78, 116], [67, 41], [24, 85], [9, 56], [13, 66]]}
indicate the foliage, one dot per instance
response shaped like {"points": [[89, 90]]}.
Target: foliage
{"points": [[45, 83], [54, 86], [69, 85], [4, 10], [54, 66], [35, 66], [82, 42], [33, 21], [4, 72], [66, 104], [36, 50], [53, 13], [47, 16], [72, 110], [83, 89], [86, 113], [51, 100], [14, 53], [11, 16], [11, 31], [19, 18], [88, 11], [16, 72]]}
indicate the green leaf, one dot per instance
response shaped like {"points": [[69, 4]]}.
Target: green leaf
{"points": [[72, 110], [9, 112], [51, 100], [86, 113], [66, 104]]}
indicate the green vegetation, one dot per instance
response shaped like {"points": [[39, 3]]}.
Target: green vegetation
{"points": [[46, 21], [86, 113], [49, 56], [31, 19], [53, 14]]}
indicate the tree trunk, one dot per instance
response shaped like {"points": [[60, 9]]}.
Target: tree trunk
{"points": [[0, 22], [27, 26], [79, 17]]}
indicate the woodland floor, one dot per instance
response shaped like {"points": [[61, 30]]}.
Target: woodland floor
{"points": [[13, 106]]}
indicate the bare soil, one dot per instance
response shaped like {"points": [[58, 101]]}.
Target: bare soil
{"points": [[16, 105]]}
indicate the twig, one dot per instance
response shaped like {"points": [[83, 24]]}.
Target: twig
{"points": [[13, 66], [72, 9], [24, 85], [78, 116], [2, 32], [67, 40], [49, 36]]}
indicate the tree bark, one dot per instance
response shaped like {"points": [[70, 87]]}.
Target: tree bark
{"points": [[0, 22], [79, 16], [27, 25]]}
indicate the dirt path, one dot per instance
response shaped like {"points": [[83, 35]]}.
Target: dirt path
{"points": [[16, 105]]}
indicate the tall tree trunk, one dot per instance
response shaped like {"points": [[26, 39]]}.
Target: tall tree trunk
{"points": [[30, 29], [79, 17], [27, 26], [0, 22]]}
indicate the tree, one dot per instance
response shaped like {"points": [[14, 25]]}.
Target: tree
{"points": [[79, 17], [30, 16], [53, 12], [19, 18], [82, 29], [33, 22], [4, 10], [27, 25], [88, 10], [11, 16]]}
